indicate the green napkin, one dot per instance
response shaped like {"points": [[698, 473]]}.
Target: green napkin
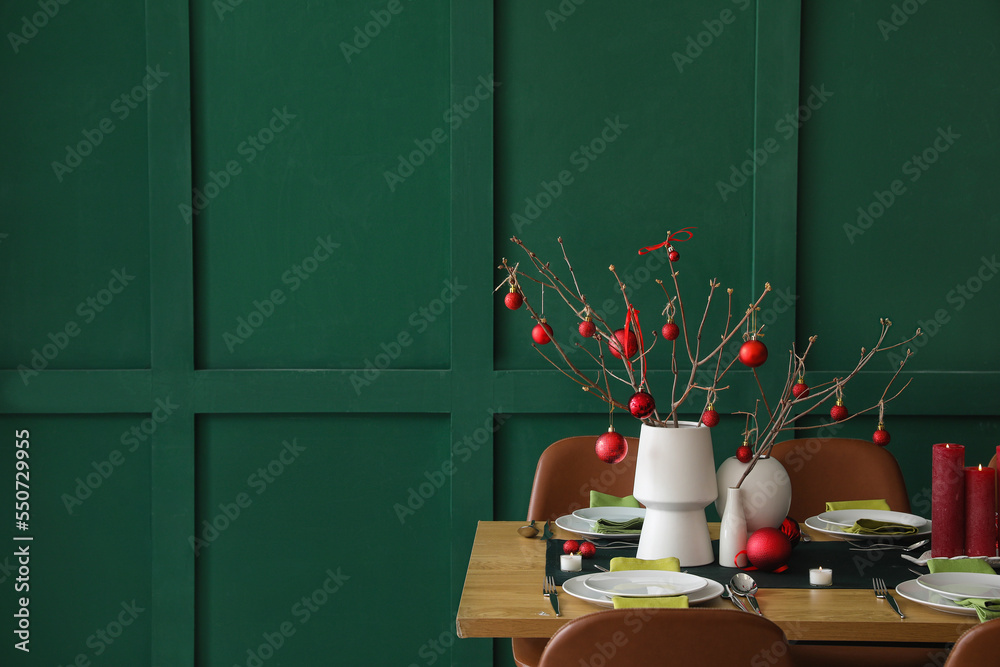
{"points": [[959, 565], [873, 527], [609, 527], [598, 499], [675, 602], [857, 505], [986, 610], [621, 563]]}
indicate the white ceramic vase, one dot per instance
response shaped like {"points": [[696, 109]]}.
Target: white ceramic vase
{"points": [[733, 531], [675, 479], [766, 492]]}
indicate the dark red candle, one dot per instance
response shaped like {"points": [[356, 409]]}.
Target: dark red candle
{"points": [[980, 512], [948, 500]]}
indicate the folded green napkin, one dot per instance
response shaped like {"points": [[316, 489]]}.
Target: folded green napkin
{"points": [[959, 565], [620, 563], [857, 505], [873, 527], [675, 602], [986, 610], [598, 499], [609, 527]]}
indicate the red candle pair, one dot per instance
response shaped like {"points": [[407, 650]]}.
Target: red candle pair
{"points": [[963, 505]]}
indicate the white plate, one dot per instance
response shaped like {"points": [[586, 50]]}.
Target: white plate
{"points": [[962, 585], [833, 530], [585, 528], [577, 587], [849, 517], [914, 592], [645, 583], [926, 556], [592, 514]]}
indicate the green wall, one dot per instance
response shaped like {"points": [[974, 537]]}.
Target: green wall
{"points": [[249, 252]]}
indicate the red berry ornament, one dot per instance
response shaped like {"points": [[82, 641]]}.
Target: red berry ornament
{"points": [[710, 417], [838, 412], [513, 299], [800, 389], [541, 333], [768, 549], [587, 549], [674, 255], [753, 353], [744, 454], [881, 436], [571, 546], [641, 405], [611, 447], [588, 328], [623, 340], [670, 330]]}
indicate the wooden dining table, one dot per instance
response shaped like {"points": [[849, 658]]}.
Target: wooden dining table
{"points": [[502, 597]]}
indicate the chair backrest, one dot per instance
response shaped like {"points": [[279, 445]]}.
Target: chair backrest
{"points": [[977, 647], [830, 469], [703, 637], [567, 471]]}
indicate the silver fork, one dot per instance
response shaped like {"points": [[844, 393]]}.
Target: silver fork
{"points": [[882, 593], [549, 591], [857, 546]]}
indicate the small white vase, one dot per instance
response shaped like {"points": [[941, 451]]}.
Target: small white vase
{"points": [[733, 532], [675, 480], [767, 491]]}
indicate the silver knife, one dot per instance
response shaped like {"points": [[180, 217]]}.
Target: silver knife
{"points": [[892, 602]]}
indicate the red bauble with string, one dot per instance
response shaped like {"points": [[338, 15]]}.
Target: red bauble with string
{"points": [[611, 447], [753, 353], [670, 330], [838, 412], [513, 299], [541, 333], [641, 405], [800, 389], [623, 340], [881, 437], [587, 328], [710, 417]]}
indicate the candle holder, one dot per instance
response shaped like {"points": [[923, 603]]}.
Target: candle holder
{"points": [[820, 577]]}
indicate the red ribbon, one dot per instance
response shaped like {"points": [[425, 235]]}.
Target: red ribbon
{"points": [[673, 238]]}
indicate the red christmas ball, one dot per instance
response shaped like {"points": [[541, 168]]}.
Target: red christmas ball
{"points": [[587, 328], [710, 417], [587, 549], [790, 529], [674, 255], [513, 299], [768, 549], [571, 546], [838, 412], [881, 436], [641, 405], [623, 340], [753, 353], [541, 333], [744, 454], [800, 389], [671, 331], [611, 447]]}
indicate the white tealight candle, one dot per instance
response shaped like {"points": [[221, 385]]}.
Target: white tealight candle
{"points": [[820, 577], [571, 562]]}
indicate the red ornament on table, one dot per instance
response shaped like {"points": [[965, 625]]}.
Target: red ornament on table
{"points": [[611, 447], [753, 353], [880, 437], [541, 333], [641, 405], [587, 328], [768, 549], [744, 453], [800, 389], [710, 417], [623, 340], [571, 546], [838, 412], [790, 529], [980, 511], [587, 549], [513, 299], [670, 330], [947, 500]]}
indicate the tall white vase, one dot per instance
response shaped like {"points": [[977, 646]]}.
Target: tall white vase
{"points": [[766, 492], [675, 480], [733, 531]]}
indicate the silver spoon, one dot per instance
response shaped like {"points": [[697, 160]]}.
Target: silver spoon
{"points": [[528, 530], [727, 594], [744, 586]]}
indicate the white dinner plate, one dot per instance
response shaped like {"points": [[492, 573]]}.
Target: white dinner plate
{"points": [[833, 530], [914, 592], [926, 556], [645, 583], [585, 528], [592, 514], [849, 517], [962, 585], [577, 587]]}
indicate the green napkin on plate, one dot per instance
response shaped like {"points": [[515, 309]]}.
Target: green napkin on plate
{"points": [[959, 565], [857, 505], [598, 499], [675, 602], [620, 563], [873, 527], [986, 610], [609, 527]]}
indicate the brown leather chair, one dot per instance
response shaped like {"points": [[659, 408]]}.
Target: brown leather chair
{"points": [[976, 647], [826, 469], [640, 637], [567, 471]]}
